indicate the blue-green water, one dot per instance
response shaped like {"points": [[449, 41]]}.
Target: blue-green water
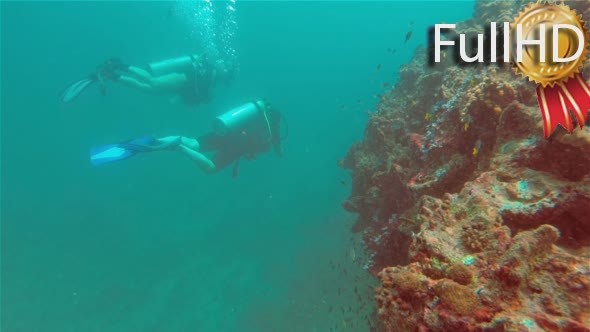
{"points": [[152, 244]]}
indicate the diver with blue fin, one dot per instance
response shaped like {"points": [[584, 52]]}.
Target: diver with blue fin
{"points": [[242, 132], [189, 77]]}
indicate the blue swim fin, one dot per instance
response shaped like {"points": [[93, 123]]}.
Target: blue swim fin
{"points": [[76, 88], [113, 152], [109, 153]]}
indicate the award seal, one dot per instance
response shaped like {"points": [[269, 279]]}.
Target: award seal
{"points": [[561, 89]]}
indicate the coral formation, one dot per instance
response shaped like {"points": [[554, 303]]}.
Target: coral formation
{"points": [[456, 297], [473, 220]]}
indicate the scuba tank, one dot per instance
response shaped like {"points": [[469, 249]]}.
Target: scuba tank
{"points": [[240, 117], [175, 65]]}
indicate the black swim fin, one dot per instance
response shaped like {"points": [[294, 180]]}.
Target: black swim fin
{"points": [[76, 88]]}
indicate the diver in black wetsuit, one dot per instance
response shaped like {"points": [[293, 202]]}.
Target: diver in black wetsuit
{"points": [[243, 132], [259, 135]]}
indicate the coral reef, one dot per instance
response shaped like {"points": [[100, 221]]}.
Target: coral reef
{"points": [[472, 219]]}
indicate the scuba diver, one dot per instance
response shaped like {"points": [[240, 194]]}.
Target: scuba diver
{"points": [[242, 132], [190, 77]]}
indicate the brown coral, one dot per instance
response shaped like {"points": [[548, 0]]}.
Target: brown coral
{"points": [[456, 297], [475, 235], [460, 274], [407, 284]]}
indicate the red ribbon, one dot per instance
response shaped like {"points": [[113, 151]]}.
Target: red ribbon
{"points": [[558, 101]]}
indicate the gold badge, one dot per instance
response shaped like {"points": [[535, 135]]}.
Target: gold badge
{"points": [[550, 49], [549, 72]]}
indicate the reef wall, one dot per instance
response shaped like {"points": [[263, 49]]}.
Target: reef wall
{"points": [[472, 219]]}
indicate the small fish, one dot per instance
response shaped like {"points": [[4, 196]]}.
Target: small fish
{"points": [[330, 309], [385, 85], [466, 127], [427, 117], [342, 182], [408, 35], [476, 148], [378, 67]]}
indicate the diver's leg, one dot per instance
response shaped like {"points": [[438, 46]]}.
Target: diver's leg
{"points": [[190, 143], [204, 163], [140, 78], [190, 147], [141, 74], [134, 83], [169, 82], [177, 140]]}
